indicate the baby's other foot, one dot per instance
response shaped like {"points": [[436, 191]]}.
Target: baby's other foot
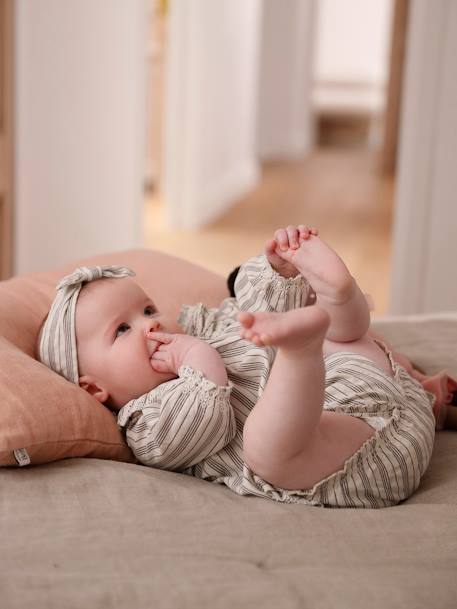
{"points": [[286, 239], [296, 330], [323, 268]]}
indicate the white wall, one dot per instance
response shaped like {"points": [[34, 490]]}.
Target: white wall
{"points": [[425, 227], [80, 78], [353, 40], [211, 105], [285, 127]]}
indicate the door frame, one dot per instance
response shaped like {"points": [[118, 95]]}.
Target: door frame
{"points": [[425, 214]]}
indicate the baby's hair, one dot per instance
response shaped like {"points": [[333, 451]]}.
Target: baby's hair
{"points": [[231, 281]]}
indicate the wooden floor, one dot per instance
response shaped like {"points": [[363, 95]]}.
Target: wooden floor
{"points": [[339, 191]]}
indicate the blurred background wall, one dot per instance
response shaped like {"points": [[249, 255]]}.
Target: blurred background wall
{"points": [[286, 53], [80, 137]]}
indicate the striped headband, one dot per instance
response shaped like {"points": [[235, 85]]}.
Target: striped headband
{"points": [[57, 345]]}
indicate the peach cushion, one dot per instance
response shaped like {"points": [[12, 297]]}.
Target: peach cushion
{"points": [[44, 413]]}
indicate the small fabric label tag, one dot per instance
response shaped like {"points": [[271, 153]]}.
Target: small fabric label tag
{"points": [[22, 457]]}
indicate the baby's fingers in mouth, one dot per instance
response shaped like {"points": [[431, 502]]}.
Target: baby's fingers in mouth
{"points": [[159, 355], [159, 365], [162, 337]]}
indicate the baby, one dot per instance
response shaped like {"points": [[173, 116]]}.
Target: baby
{"points": [[264, 394]]}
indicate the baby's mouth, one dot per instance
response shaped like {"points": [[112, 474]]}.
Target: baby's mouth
{"points": [[153, 345]]}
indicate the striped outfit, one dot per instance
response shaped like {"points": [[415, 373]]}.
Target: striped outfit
{"points": [[193, 426]]}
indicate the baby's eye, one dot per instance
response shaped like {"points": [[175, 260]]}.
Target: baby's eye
{"points": [[150, 310], [121, 329]]}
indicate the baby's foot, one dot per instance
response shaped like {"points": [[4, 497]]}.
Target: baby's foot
{"points": [[299, 329], [285, 238], [323, 268]]}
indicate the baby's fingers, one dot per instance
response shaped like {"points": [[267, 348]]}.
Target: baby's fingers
{"points": [[160, 365], [161, 337], [287, 238], [270, 247], [271, 251], [293, 234], [282, 239], [305, 231], [161, 354], [163, 360]]}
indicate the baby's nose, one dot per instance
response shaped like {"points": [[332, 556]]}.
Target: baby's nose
{"points": [[153, 326]]}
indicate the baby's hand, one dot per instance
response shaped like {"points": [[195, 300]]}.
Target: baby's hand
{"points": [[177, 350], [280, 249], [172, 352]]}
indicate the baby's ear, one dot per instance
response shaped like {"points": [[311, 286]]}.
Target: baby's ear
{"points": [[89, 384]]}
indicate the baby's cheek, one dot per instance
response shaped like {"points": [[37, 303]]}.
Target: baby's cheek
{"points": [[136, 368]]}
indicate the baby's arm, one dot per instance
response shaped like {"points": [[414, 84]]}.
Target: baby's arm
{"points": [[180, 423], [179, 350]]}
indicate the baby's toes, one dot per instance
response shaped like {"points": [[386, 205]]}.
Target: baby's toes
{"points": [[266, 339], [247, 334], [246, 319], [252, 337], [257, 340]]}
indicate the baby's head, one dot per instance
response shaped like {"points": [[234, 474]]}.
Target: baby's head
{"points": [[96, 335]]}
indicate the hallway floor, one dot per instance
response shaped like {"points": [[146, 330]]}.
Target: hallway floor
{"points": [[341, 192]]}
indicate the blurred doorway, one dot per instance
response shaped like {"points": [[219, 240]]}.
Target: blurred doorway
{"points": [[358, 69], [358, 54], [344, 183]]}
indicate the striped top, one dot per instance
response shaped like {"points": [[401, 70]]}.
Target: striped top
{"points": [[193, 426]]}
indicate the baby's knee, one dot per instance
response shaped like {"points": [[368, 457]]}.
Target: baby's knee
{"points": [[267, 459]]}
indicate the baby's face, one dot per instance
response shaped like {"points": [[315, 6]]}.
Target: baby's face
{"points": [[113, 317]]}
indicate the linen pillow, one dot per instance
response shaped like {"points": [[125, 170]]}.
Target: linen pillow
{"points": [[44, 413]]}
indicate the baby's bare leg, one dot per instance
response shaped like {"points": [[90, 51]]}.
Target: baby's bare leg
{"points": [[290, 407], [336, 290], [282, 434]]}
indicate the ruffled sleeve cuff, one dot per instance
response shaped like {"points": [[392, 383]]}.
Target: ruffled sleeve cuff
{"points": [[259, 287]]}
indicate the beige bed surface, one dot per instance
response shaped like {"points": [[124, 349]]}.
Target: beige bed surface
{"points": [[430, 341], [93, 533]]}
